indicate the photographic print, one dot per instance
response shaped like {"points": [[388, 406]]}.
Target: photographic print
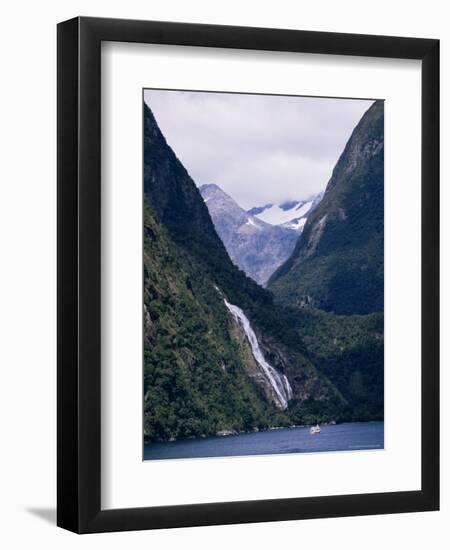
{"points": [[263, 284]]}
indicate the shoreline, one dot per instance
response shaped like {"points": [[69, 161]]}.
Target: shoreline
{"points": [[229, 433]]}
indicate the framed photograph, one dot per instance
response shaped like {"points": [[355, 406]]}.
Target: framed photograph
{"points": [[248, 284]]}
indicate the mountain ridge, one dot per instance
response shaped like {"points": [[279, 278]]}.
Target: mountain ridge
{"points": [[200, 375], [337, 264], [256, 247], [291, 214]]}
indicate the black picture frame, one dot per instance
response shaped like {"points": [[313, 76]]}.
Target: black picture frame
{"points": [[79, 276]]}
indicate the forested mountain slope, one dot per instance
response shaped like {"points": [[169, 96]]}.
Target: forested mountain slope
{"points": [[337, 264], [201, 376]]}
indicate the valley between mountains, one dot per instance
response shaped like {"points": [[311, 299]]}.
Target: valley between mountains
{"points": [[263, 317], [261, 239]]}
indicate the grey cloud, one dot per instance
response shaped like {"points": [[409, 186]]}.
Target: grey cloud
{"points": [[258, 148]]}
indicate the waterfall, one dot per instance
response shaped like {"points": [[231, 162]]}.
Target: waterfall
{"points": [[277, 381]]}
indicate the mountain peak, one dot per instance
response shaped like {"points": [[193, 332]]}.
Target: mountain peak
{"points": [[337, 264], [258, 248], [209, 187], [211, 192], [172, 193]]}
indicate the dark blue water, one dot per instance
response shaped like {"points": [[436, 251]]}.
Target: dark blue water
{"points": [[341, 437]]}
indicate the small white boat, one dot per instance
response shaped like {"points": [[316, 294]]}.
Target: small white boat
{"points": [[314, 430]]}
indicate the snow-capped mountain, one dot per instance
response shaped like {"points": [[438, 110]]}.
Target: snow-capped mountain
{"points": [[291, 214], [255, 246]]}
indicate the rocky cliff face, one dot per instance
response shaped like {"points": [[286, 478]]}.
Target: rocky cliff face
{"points": [[337, 264], [258, 248]]}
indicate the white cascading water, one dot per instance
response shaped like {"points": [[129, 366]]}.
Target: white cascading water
{"points": [[278, 381]]}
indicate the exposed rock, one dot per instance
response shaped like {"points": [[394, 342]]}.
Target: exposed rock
{"points": [[149, 328], [315, 235], [258, 248]]}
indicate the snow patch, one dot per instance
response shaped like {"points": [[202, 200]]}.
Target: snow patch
{"points": [[279, 216], [252, 223], [303, 209]]}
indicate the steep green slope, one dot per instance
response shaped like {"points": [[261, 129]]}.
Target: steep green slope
{"points": [[178, 205], [337, 264], [200, 375], [197, 376], [174, 197], [350, 351]]}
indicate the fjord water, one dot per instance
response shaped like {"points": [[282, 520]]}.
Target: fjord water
{"points": [[340, 437]]}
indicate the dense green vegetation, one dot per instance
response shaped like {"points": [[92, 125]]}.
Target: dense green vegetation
{"points": [[180, 208], [333, 283], [349, 350], [195, 379], [337, 265], [200, 377]]}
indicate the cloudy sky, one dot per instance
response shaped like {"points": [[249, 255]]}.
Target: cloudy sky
{"points": [[257, 148]]}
